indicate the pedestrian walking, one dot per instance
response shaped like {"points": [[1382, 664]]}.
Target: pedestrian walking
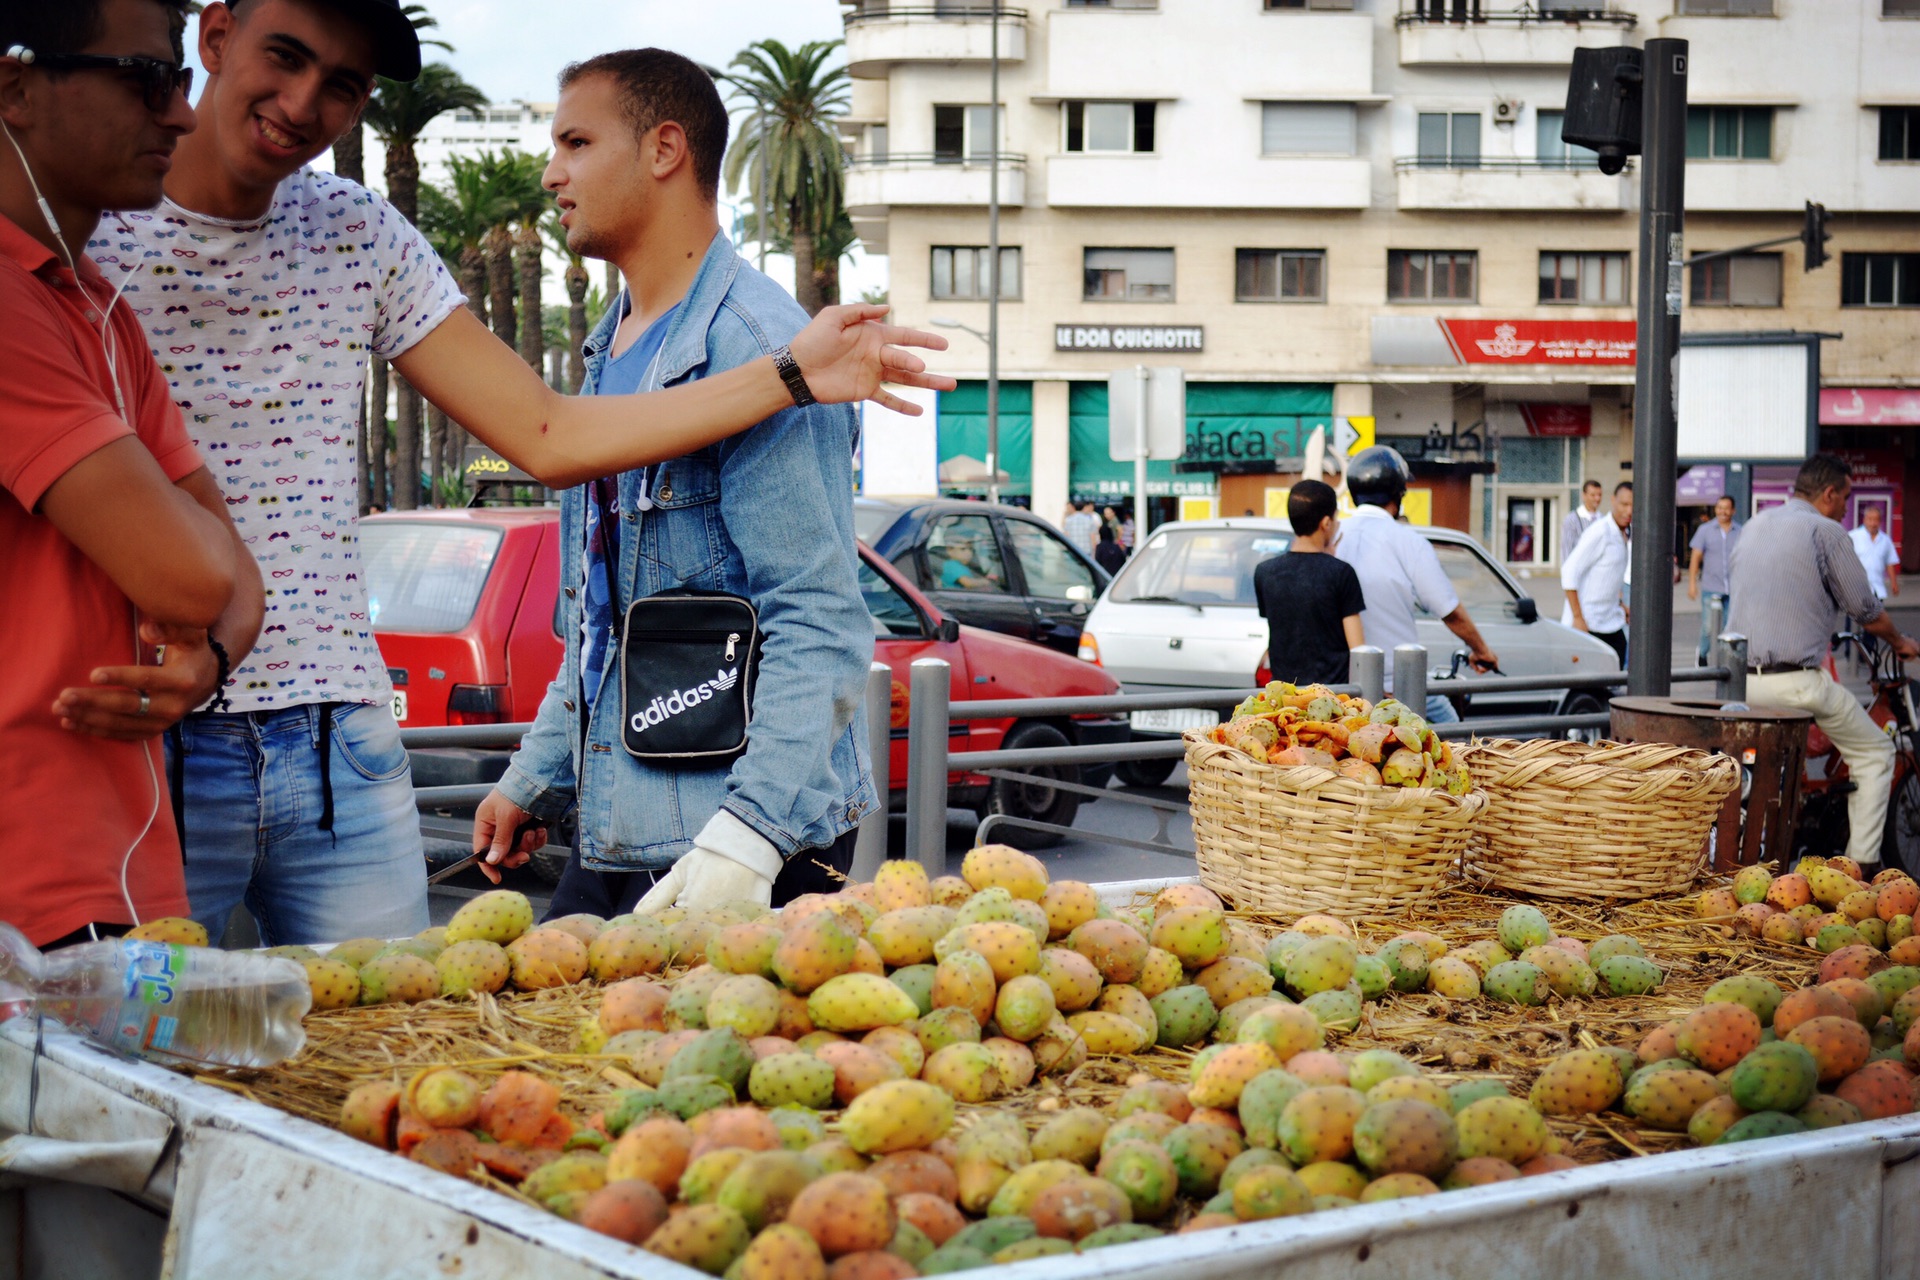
{"points": [[1878, 555], [1580, 519], [1081, 527], [1595, 575], [1311, 598], [1709, 565], [1107, 553]]}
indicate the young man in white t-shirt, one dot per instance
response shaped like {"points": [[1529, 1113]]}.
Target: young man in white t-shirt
{"points": [[1878, 556], [263, 283]]}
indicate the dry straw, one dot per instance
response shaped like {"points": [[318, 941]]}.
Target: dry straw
{"points": [[1300, 839], [1607, 820]]}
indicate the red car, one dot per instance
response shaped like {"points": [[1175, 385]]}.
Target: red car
{"points": [[465, 607]]}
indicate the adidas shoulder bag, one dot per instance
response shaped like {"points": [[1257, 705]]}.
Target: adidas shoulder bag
{"points": [[687, 665]]}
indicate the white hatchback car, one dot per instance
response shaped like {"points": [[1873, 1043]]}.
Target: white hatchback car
{"points": [[1181, 614]]}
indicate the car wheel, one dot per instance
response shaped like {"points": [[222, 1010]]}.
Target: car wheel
{"points": [[1035, 799], [1900, 846], [1145, 773], [1583, 704]]}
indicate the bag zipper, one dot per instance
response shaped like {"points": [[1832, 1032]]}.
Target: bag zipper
{"points": [[733, 640]]}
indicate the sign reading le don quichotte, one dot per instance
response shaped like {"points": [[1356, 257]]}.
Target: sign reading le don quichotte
{"points": [[1128, 337]]}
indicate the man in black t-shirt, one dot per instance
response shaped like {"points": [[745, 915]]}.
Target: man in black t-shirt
{"points": [[1310, 598]]}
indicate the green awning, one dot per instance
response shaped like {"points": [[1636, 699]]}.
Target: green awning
{"points": [[963, 431], [1227, 422]]}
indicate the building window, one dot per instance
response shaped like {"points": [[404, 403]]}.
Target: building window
{"points": [[963, 133], [877, 143], [1725, 8], [1744, 280], [1900, 8], [1129, 275], [1586, 279], [1109, 126], [1900, 129], [1306, 128], [1530, 530], [1450, 141], [1729, 133], [1276, 5], [1550, 150], [960, 271], [1880, 279], [1280, 275], [1113, 4], [1419, 275]]}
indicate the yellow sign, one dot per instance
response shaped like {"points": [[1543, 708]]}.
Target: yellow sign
{"points": [[1351, 435], [1277, 503], [1417, 506], [1198, 508]]}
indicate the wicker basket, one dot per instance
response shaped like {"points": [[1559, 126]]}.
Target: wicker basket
{"points": [[1607, 820], [1300, 839]]}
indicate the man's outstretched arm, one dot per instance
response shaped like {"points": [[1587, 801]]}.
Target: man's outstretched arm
{"points": [[845, 354]]}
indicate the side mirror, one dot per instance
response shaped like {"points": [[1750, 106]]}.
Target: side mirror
{"points": [[1526, 610], [947, 631], [1079, 593]]}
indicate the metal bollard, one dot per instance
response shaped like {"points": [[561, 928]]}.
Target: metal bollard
{"points": [[1410, 676], [1716, 611], [1730, 651], [927, 764], [870, 846], [1367, 667]]}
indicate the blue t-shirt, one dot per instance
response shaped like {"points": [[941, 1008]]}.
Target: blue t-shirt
{"points": [[622, 375]]}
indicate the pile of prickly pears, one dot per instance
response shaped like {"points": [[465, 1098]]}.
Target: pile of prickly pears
{"points": [[1390, 744], [1755, 1061], [1824, 903]]}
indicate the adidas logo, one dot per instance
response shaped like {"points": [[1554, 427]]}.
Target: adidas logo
{"points": [[661, 710]]}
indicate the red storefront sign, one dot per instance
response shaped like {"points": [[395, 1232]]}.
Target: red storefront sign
{"points": [[1870, 407], [1557, 419], [1541, 341]]}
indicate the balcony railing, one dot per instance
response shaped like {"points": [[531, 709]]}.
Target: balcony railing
{"points": [[933, 13], [1472, 12], [1501, 164], [941, 159]]}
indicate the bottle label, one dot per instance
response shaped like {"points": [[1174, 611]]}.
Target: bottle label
{"points": [[149, 983]]}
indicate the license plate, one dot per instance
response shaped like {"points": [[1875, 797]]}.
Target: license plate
{"points": [[1175, 720], [400, 706]]}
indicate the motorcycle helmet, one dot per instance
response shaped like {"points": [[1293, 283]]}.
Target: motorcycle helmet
{"points": [[1377, 476]]}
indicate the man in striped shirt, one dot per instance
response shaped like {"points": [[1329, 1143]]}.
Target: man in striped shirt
{"points": [[1794, 571]]}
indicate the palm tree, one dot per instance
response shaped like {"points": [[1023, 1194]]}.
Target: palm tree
{"points": [[794, 98], [531, 203], [398, 113], [350, 148], [456, 219], [830, 245], [577, 283]]}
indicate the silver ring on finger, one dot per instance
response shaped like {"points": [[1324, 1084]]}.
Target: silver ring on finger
{"points": [[146, 702]]}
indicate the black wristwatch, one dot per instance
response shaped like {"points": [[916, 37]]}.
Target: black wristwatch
{"points": [[789, 370]]}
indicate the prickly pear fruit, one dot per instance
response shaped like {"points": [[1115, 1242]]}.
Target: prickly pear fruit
{"points": [[1183, 1016], [1453, 978], [500, 915], [1840, 1046], [1024, 1007], [1196, 936], [1567, 975], [1201, 1154], [1577, 1083], [1117, 949], [1502, 1127], [1001, 866], [1516, 982], [746, 1003], [1521, 927], [334, 985], [1010, 949], [813, 949], [1405, 1136], [1318, 1124], [1759, 994], [1629, 975], [707, 1237], [1075, 982], [1369, 1068], [1407, 962], [1069, 904], [1261, 1103], [1764, 1124], [907, 936], [1714, 1117], [1881, 1090], [370, 1112], [1075, 1135], [901, 883], [856, 1068], [899, 1115], [1668, 1099], [1716, 1036], [398, 977], [1145, 1174], [859, 1002], [174, 929], [1777, 1076], [791, 1080], [546, 958], [1826, 1111], [1109, 1034], [900, 1044], [970, 1072], [1227, 1073], [965, 980], [1322, 964]]}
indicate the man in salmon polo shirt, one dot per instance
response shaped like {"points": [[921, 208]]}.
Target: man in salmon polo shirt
{"points": [[109, 521]]}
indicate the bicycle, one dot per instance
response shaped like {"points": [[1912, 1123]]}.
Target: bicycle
{"points": [[1822, 828]]}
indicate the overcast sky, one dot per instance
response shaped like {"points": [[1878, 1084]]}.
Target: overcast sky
{"points": [[513, 49]]}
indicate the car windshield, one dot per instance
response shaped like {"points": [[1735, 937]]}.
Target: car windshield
{"points": [[1197, 566], [872, 520], [1487, 599], [424, 577]]}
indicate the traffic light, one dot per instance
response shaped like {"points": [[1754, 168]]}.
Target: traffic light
{"points": [[1814, 236], [1603, 105]]}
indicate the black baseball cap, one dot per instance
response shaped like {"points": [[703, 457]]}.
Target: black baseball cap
{"points": [[396, 45]]}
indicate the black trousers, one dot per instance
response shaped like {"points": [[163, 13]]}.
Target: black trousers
{"points": [[97, 932], [1615, 640], [614, 893]]}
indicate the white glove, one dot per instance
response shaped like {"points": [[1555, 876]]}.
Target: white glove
{"points": [[729, 862]]}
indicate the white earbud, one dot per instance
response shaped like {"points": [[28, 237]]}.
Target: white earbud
{"points": [[21, 54]]}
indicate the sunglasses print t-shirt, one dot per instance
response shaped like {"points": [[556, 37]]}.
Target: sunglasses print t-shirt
{"points": [[262, 329]]}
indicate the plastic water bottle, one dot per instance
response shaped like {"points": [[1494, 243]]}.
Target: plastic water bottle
{"points": [[182, 1006]]}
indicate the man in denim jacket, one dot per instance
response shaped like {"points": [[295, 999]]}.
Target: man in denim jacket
{"points": [[766, 514]]}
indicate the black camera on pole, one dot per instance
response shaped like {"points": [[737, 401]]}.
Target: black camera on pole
{"points": [[1603, 105]]}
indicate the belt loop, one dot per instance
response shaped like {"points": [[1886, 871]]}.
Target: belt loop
{"points": [[325, 719]]}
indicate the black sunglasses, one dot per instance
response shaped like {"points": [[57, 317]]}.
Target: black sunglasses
{"points": [[159, 80]]}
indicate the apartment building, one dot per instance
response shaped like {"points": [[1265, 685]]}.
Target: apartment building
{"points": [[517, 125], [1359, 214]]}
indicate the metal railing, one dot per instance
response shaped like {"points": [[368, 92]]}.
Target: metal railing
{"points": [[934, 13], [936, 160], [1464, 13], [1498, 164]]}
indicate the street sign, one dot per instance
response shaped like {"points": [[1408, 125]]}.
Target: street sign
{"points": [[1351, 435], [1166, 404]]}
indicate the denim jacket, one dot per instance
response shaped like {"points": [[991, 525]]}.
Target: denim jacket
{"points": [[766, 514]]}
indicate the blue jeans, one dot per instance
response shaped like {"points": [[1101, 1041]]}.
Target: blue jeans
{"points": [[1707, 598], [253, 801], [1440, 711]]}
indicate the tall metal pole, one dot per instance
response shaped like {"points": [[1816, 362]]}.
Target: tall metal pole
{"points": [[993, 264], [1663, 114], [1140, 456], [765, 219]]}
